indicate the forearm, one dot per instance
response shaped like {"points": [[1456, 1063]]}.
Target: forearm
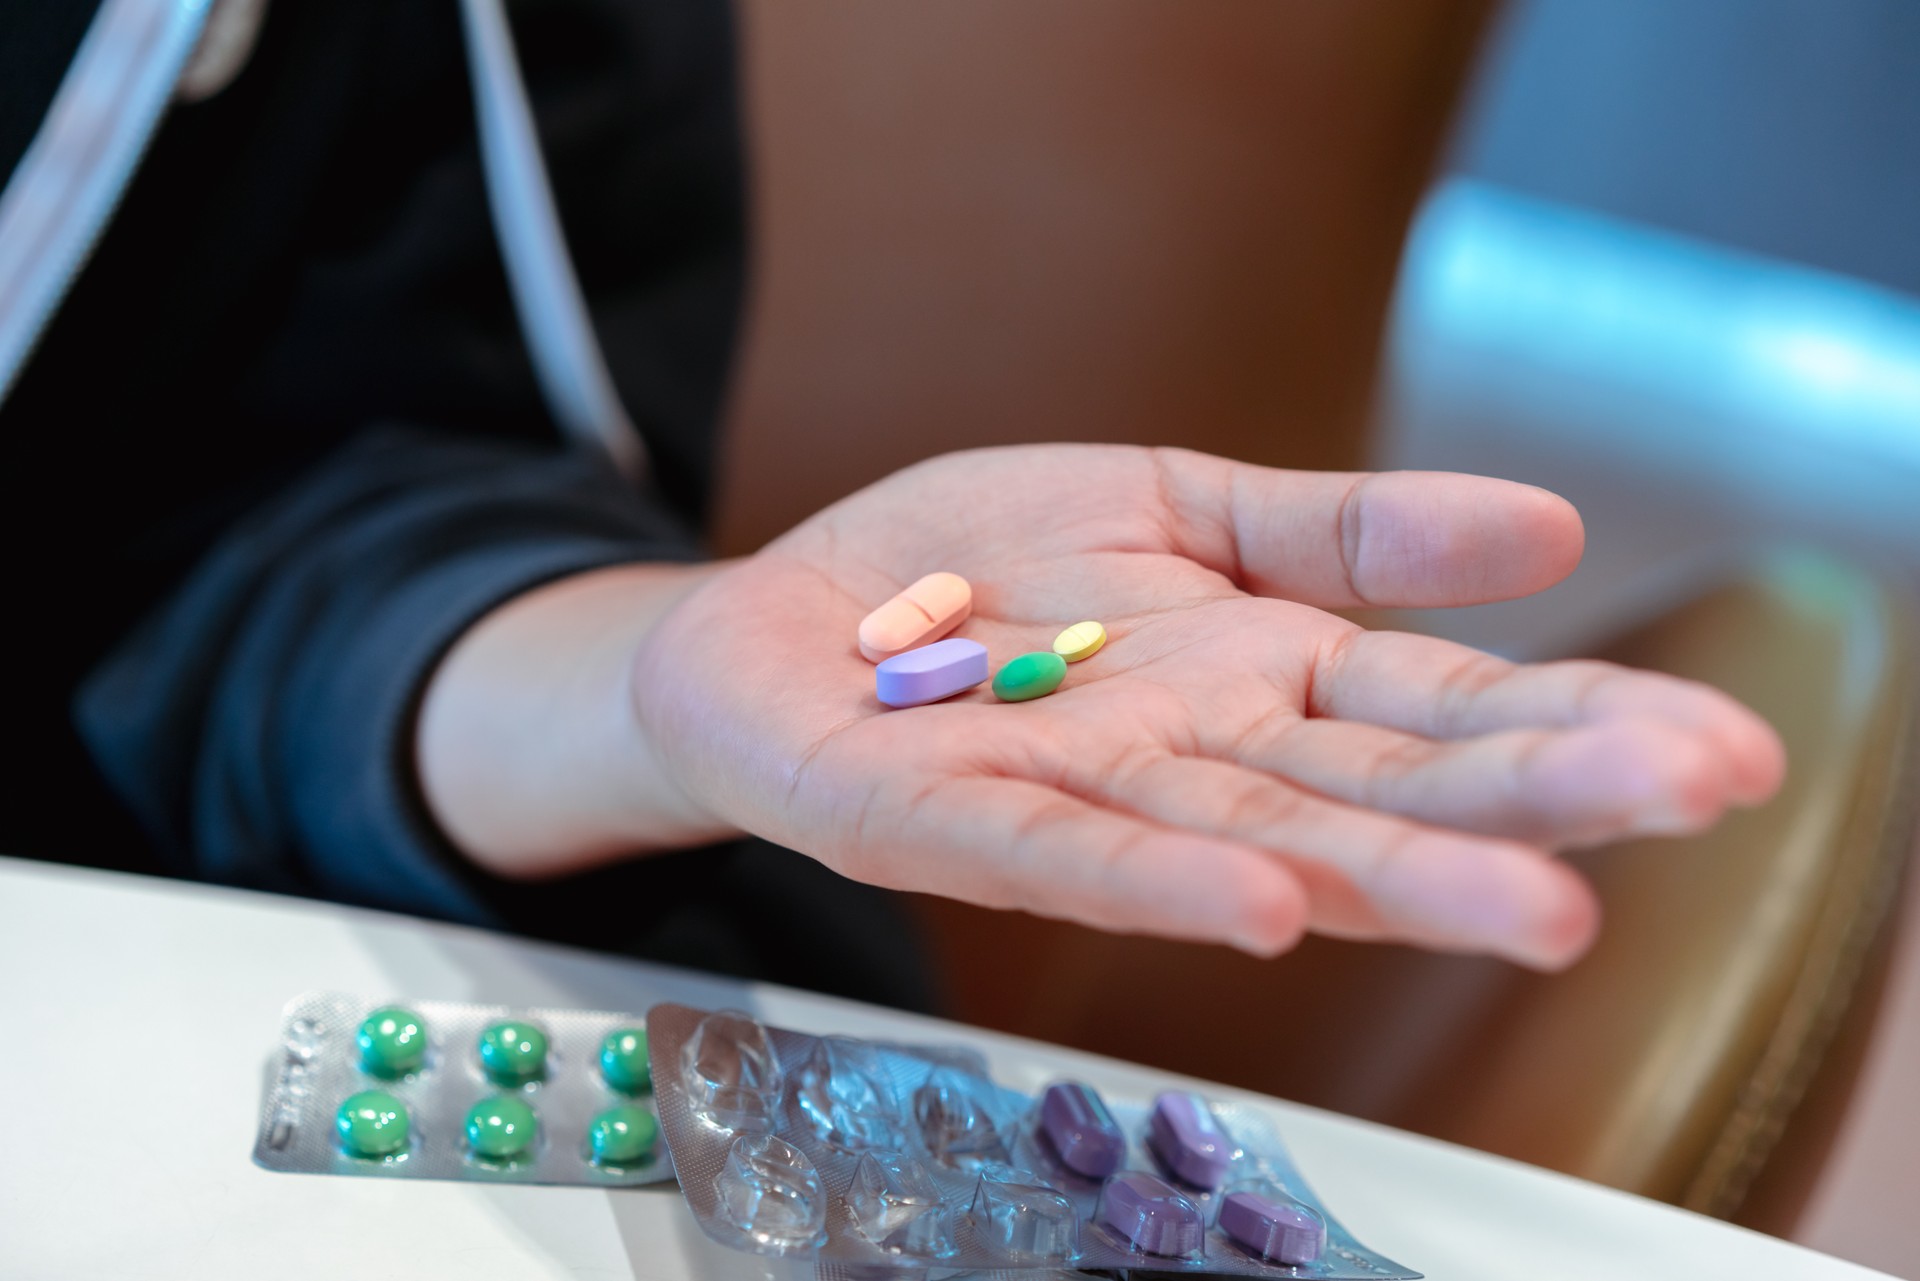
{"points": [[527, 747]]}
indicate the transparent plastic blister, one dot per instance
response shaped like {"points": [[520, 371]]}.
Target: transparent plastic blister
{"points": [[483, 1092], [881, 1159]]}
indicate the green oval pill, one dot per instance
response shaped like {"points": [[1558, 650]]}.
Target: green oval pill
{"points": [[1032, 675], [623, 1135], [393, 1041], [513, 1053], [372, 1123], [501, 1128], [623, 1060]]}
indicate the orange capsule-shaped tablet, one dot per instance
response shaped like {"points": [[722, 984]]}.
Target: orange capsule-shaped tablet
{"points": [[927, 610]]}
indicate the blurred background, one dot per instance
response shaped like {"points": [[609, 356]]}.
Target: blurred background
{"points": [[1663, 259]]}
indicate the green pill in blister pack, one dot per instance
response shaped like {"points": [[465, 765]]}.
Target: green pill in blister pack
{"points": [[392, 1041], [372, 1123], [623, 1061], [422, 1089], [513, 1052], [501, 1128], [623, 1135]]}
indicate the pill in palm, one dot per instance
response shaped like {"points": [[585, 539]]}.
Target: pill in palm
{"points": [[1082, 640], [931, 673], [924, 611], [1032, 675]]}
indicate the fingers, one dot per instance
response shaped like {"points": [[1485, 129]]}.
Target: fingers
{"points": [[1389, 539], [1555, 788], [1441, 690], [1372, 875], [1004, 842]]}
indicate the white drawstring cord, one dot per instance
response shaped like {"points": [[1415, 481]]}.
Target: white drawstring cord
{"points": [[546, 293], [67, 185]]}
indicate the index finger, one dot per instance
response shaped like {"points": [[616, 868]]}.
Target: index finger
{"points": [[1385, 539]]}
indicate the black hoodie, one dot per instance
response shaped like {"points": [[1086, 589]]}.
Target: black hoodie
{"points": [[282, 442]]}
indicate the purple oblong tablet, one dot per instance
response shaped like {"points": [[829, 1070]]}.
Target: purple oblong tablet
{"points": [[1277, 1228], [1077, 1123], [930, 673], [1151, 1213], [1188, 1140]]}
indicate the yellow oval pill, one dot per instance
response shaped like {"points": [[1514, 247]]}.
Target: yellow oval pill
{"points": [[1082, 640]]}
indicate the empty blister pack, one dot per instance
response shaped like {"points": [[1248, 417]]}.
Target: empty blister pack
{"points": [[443, 1090], [870, 1155]]}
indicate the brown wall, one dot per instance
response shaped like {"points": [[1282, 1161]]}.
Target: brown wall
{"points": [[1013, 220]]}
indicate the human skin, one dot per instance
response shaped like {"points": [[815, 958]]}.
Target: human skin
{"points": [[1236, 765]]}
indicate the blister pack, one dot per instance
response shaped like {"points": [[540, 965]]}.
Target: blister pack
{"points": [[442, 1090], [877, 1156]]}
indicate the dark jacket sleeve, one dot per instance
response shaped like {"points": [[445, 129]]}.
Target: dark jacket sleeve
{"points": [[260, 722]]}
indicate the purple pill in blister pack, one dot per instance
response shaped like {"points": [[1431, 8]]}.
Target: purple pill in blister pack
{"points": [[868, 1156], [1083, 1133], [1150, 1213], [1274, 1226], [1188, 1141]]}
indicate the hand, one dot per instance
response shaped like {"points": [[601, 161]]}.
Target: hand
{"points": [[1236, 764]]}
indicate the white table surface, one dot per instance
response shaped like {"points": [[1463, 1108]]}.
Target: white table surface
{"points": [[136, 1017]]}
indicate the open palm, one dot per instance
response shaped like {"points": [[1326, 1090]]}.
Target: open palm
{"points": [[1236, 764]]}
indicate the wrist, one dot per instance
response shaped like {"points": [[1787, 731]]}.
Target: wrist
{"points": [[528, 749]]}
